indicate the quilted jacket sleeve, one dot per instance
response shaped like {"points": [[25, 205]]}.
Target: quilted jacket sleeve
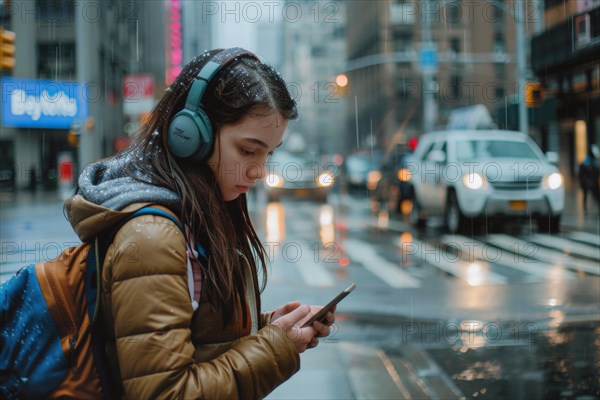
{"points": [[152, 313]]}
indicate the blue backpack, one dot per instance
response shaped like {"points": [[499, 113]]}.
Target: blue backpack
{"points": [[50, 341]]}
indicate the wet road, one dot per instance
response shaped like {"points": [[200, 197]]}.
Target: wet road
{"points": [[508, 314]]}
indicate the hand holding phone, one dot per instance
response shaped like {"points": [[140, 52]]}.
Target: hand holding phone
{"points": [[323, 311]]}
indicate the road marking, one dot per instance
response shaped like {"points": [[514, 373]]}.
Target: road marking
{"points": [[566, 245], [528, 250], [537, 270], [475, 273], [589, 238], [388, 272], [314, 273]]}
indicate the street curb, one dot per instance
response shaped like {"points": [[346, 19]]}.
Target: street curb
{"points": [[412, 375]]}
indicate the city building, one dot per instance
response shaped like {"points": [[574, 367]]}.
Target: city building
{"points": [[314, 45], [410, 63], [197, 18], [85, 73], [565, 57]]}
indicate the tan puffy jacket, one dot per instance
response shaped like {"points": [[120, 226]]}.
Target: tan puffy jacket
{"points": [[166, 350]]}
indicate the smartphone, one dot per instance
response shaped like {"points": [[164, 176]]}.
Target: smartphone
{"points": [[323, 311]]}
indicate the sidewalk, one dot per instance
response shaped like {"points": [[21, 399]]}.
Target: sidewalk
{"points": [[574, 217], [349, 370]]}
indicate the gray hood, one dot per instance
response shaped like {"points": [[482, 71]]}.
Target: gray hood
{"points": [[106, 184]]}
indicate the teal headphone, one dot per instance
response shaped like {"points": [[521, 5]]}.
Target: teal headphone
{"points": [[190, 135]]}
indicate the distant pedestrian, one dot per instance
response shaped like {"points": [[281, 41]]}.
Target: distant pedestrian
{"points": [[588, 176]]}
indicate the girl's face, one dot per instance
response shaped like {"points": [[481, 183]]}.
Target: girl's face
{"points": [[242, 149]]}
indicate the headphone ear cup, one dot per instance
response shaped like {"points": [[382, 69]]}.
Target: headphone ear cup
{"points": [[205, 134], [183, 135]]}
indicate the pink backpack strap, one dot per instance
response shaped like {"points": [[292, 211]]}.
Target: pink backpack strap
{"points": [[194, 271]]}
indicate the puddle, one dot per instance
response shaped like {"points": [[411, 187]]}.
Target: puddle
{"points": [[560, 363]]}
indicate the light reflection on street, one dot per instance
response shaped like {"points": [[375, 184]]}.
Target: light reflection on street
{"points": [[275, 222], [475, 274], [326, 224], [383, 219]]}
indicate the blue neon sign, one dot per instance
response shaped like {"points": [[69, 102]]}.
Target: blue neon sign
{"points": [[28, 103]]}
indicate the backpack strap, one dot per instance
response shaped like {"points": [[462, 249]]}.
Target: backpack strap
{"points": [[109, 377], [97, 254]]}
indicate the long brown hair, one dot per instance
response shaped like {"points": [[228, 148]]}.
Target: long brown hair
{"points": [[241, 88]]}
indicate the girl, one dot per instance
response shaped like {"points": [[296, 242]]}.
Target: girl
{"points": [[186, 320]]}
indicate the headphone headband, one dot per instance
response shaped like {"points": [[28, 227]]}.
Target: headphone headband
{"points": [[209, 70], [190, 133]]}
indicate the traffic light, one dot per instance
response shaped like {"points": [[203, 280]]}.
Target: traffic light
{"points": [[7, 49], [534, 94]]}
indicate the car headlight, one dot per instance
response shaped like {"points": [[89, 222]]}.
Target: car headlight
{"points": [[403, 175], [325, 179], [474, 181], [554, 180], [274, 181]]}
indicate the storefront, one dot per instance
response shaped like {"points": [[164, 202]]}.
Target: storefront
{"points": [[39, 119]]}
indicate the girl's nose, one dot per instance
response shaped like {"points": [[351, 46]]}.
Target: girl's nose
{"points": [[255, 172]]}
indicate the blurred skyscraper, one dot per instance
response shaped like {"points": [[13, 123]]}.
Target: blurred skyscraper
{"points": [[314, 53], [467, 48], [565, 57], [198, 26], [113, 50]]}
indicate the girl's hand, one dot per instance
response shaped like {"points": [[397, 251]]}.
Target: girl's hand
{"points": [[284, 310], [290, 323], [323, 327]]}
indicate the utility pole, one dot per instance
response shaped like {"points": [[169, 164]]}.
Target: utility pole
{"points": [[428, 64], [86, 27], [519, 17]]}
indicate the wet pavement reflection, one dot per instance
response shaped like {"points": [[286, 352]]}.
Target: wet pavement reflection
{"points": [[554, 359], [561, 363]]}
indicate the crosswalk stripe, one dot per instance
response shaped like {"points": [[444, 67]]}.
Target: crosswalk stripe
{"points": [[476, 273], [564, 244], [314, 273], [589, 238], [388, 272], [553, 257], [537, 270]]}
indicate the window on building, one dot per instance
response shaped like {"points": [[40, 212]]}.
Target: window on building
{"points": [[318, 51], [339, 32], [57, 60], [55, 11], [453, 12], [499, 42], [454, 88], [402, 12], [455, 44], [499, 92], [402, 41], [496, 13]]}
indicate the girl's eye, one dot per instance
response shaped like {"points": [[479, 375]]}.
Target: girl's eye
{"points": [[246, 152]]}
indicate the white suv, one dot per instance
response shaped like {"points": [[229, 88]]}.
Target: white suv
{"points": [[471, 174]]}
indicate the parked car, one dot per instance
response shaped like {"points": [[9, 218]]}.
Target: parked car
{"points": [[297, 175], [471, 174], [363, 170]]}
